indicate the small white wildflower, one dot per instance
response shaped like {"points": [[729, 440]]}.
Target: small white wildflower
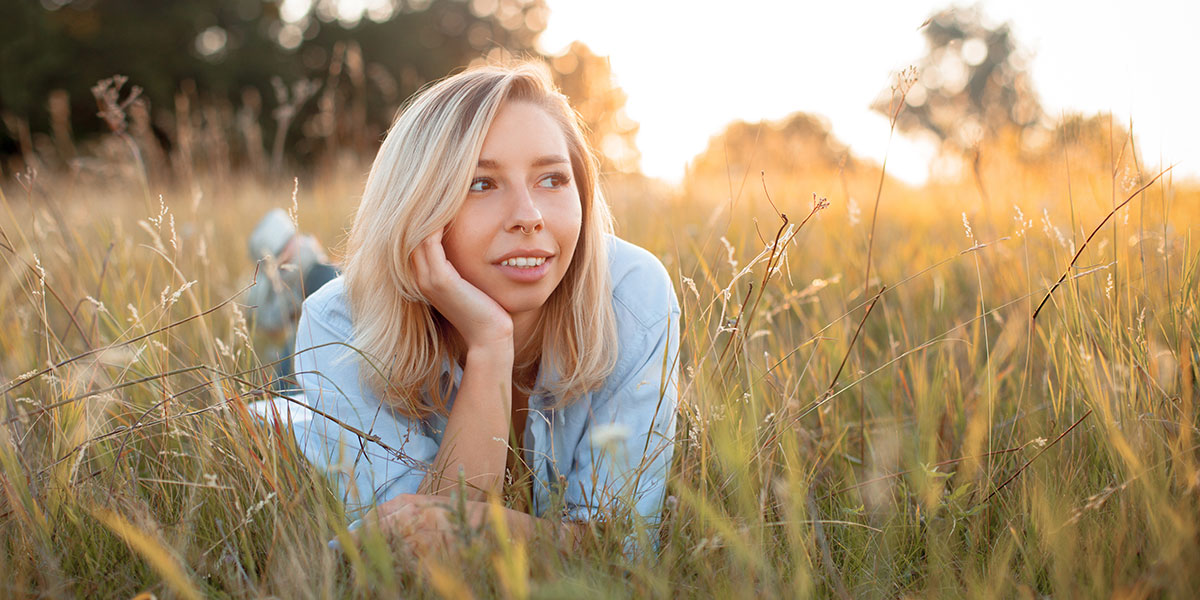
{"points": [[1022, 224], [98, 304], [162, 213], [37, 266], [183, 288], [1109, 288], [1039, 442], [22, 377]]}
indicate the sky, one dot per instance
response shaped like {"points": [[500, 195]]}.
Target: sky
{"points": [[690, 67]]}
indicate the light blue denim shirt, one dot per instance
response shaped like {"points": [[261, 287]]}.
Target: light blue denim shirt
{"points": [[611, 448]]}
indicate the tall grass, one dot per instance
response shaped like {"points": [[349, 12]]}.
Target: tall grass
{"points": [[916, 434]]}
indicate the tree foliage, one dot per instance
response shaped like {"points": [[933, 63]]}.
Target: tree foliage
{"points": [[797, 154], [587, 79], [278, 79], [972, 82]]}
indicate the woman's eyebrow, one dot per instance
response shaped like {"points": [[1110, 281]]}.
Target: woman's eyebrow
{"points": [[550, 159], [541, 161]]}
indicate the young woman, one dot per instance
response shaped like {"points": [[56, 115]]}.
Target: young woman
{"points": [[490, 334]]}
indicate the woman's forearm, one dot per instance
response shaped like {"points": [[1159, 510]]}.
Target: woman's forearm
{"points": [[523, 526], [475, 441]]}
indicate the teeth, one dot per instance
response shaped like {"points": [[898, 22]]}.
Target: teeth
{"points": [[524, 261]]}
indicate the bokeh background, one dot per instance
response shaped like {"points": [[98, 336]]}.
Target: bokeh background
{"points": [[937, 268]]}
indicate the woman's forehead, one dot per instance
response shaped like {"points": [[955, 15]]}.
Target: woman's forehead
{"points": [[523, 133]]}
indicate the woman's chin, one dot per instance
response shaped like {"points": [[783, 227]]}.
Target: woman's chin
{"points": [[519, 304]]}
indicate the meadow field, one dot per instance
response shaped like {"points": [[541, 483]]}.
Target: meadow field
{"points": [[982, 387]]}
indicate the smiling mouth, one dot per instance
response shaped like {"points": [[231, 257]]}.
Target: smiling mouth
{"points": [[525, 262]]}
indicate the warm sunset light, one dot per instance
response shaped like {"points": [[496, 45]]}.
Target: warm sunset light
{"points": [[691, 67], [652, 299]]}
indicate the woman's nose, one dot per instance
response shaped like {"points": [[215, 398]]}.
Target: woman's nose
{"points": [[525, 216]]}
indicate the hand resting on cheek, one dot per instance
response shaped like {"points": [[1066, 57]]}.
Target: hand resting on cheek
{"points": [[479, 319]]}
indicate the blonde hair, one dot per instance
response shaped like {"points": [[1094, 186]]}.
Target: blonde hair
{"points": [[417, 184]]}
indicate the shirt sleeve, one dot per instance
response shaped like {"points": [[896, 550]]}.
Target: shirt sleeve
{"points": [[371, 453], [622, 459]]}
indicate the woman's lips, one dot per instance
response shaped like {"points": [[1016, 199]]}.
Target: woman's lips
{"points": [[526, 274]]}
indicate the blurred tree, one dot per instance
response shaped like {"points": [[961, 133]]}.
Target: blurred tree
{"points": [[373, 59], [973, 82], [798, 154], [587, 79], [271, 58], [69, 45]]}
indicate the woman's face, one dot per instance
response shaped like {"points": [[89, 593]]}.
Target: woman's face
{"points": [[515, 235]]}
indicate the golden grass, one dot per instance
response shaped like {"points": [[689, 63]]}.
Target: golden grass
{"points": [[918, 434]]}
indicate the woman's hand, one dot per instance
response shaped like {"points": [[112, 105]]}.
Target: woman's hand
{"points": [[426, 522], [422, 521], [479, 319]]}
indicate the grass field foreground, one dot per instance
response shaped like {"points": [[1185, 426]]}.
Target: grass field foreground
{"points": [[914, 431]]}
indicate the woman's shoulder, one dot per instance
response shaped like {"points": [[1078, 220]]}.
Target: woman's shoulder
{"points": [[642, 288], [330, 305]]}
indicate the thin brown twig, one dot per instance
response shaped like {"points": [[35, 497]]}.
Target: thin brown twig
{"points": [[1079, 252], [1035, 457], [846, 357]]}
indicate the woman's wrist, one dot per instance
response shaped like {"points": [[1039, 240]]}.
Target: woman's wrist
{"points": [[497, 351]]}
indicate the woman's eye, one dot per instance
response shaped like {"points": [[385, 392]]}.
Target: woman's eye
{"points": [[554, 180], [482, 184]]}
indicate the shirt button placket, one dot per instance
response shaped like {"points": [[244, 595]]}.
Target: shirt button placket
{"points": [[535, 450]]}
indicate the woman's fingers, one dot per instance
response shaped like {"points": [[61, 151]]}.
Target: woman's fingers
{"points": [[423, 523], [477, 317], [435, 275]]}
